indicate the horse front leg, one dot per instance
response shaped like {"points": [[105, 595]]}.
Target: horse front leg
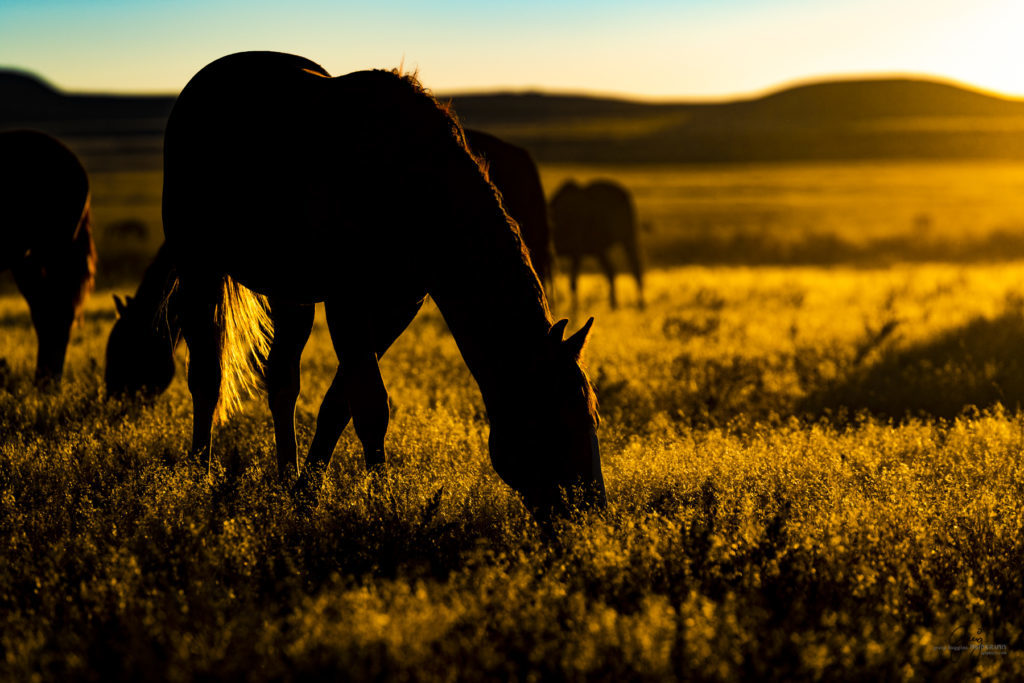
{"points": [[348, 392], [358, 381], [53, 331], [368, 403], [636, 265], [53, 313], [331, 421], [293, 324], [204, 337], [357, 393]]}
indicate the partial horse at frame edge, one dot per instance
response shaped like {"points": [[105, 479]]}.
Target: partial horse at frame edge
{"points": [[46, 239]]}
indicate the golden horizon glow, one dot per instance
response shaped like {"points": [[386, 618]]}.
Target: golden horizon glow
{"points": [[652, 50]]}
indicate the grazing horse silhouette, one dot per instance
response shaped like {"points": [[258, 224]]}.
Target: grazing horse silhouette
{"points": [[140, 349], [46, 239], [590, 220], [359, 191], [514, 173]]}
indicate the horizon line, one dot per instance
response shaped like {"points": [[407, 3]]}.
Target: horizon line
{"points": [[744, 96]]}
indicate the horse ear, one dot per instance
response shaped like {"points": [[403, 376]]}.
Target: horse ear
{"points": [[119, 305], [558, 329], [574, 344]]}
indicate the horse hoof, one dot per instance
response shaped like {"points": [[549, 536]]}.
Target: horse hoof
{"points": [[305, 495]]}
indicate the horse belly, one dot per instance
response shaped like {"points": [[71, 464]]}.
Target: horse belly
{"points": [[291, 230], [282, 255]]}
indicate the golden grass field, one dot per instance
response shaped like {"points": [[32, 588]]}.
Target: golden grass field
{"points": [[864, 213], [813, 473]]}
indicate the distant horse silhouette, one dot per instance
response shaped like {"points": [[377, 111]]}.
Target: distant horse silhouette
{"points": [[590, 220], [514, 173], [359, 191], [46, 239]]}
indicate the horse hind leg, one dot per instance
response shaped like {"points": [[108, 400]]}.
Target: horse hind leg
{"points": [[199, 296], [293, 324], [637, 267], [609, 272]]}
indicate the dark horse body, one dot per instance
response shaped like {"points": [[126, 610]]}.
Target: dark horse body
{"points": [[359, 191], [590, 220], [140, 352], [514, 173], [46, 238]]}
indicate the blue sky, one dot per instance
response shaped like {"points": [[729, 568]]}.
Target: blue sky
{"points": [[689, 49]]}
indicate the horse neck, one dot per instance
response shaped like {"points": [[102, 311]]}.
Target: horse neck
{"points": [[493, 302]]}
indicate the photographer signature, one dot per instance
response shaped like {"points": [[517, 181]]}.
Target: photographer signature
{"points": [[963, 640]]}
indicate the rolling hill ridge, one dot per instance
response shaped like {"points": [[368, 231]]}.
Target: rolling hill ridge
{"points": [[835, 120]]}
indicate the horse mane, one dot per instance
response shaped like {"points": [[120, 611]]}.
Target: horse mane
{"points": [[445, 115]]}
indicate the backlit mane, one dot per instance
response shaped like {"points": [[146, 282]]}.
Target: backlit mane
{"points": [[446, 116]]}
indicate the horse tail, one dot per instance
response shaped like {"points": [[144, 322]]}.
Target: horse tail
{"points": [[247, 330], [83, 259]]}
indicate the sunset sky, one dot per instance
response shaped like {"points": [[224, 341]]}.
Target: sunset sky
{"points": [[682, 49]]}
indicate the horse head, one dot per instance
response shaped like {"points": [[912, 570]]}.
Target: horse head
{"points": [[546, 448], [140, 351]]}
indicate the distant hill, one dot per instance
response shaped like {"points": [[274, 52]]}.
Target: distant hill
{"points": [[868, 99], [25, 100], [835, 120], [862, 119]]}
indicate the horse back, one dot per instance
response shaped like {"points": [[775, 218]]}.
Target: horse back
{"points": [[613, 210], [592, 218], [289, 180]]}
